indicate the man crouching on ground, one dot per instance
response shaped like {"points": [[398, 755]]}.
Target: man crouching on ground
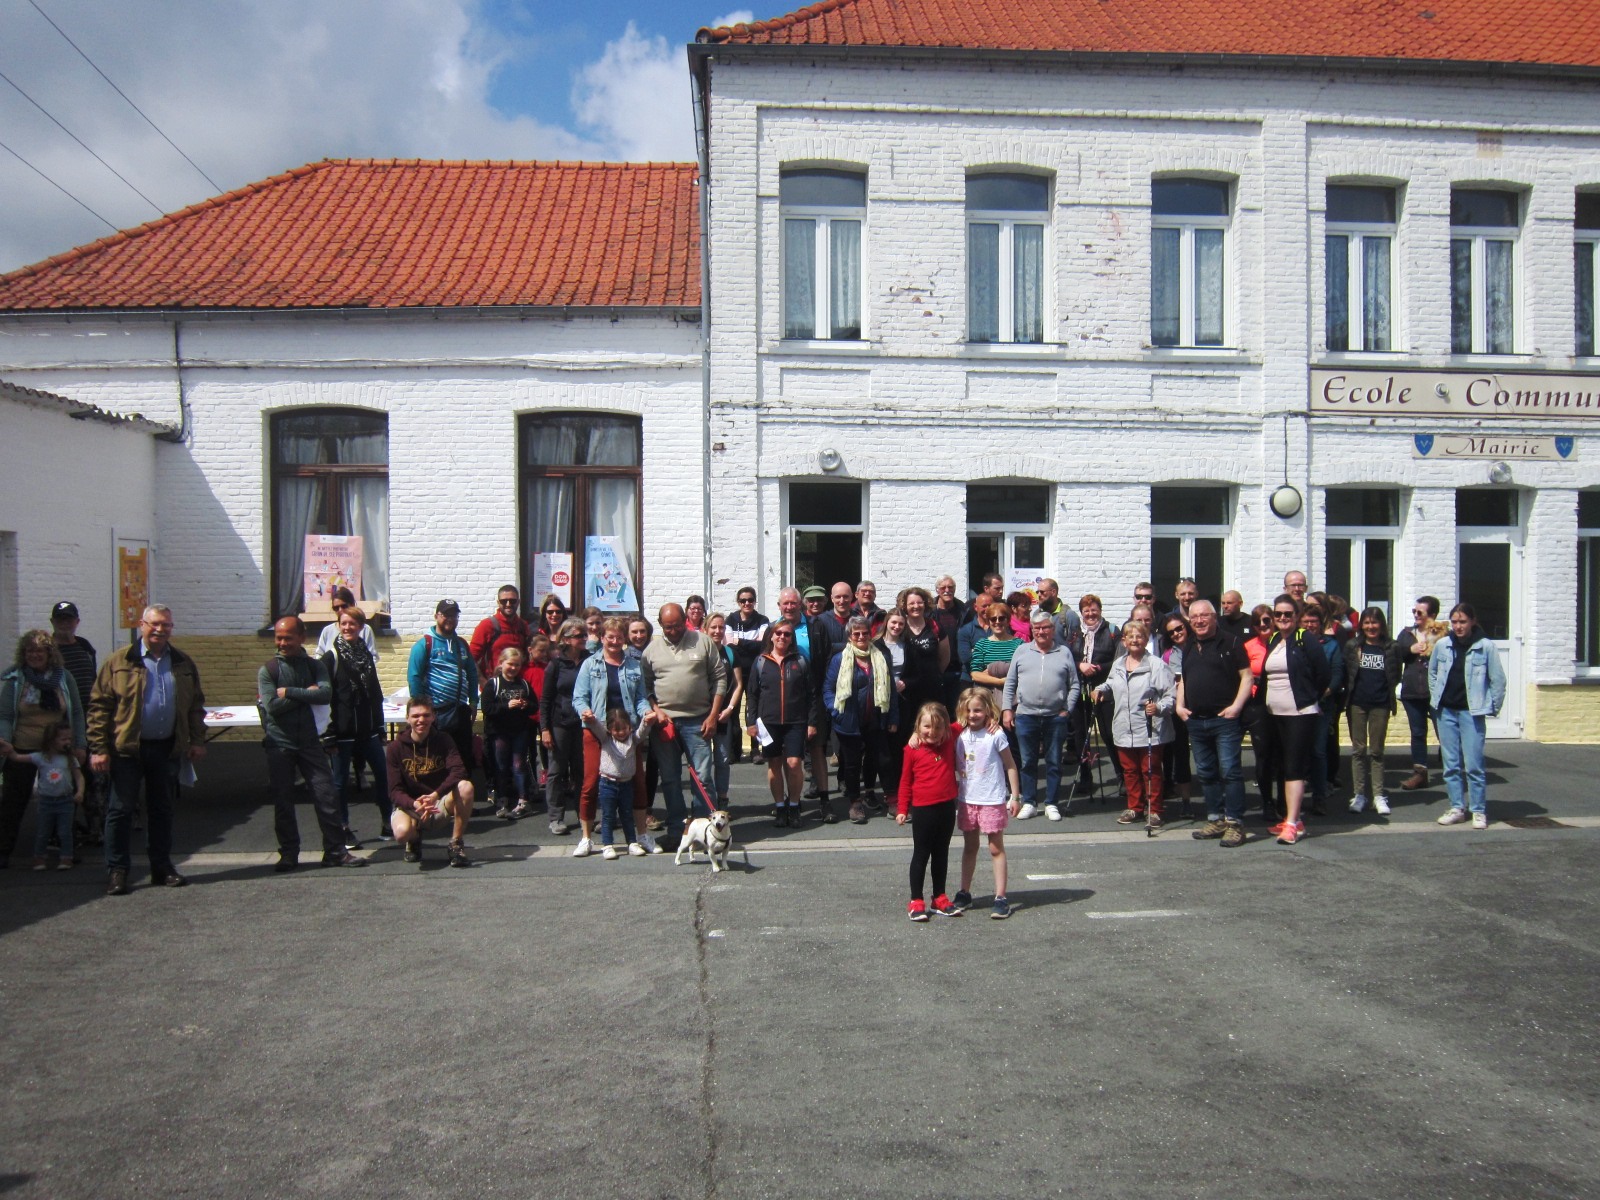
{"points": [[427, 783]]}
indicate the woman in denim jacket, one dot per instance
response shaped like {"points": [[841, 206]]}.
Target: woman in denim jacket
{"points": [[1466, 686], [592, 699]]}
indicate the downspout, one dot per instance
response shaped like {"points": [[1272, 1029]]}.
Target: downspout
{"points": [[702, 139], [181, 436]]}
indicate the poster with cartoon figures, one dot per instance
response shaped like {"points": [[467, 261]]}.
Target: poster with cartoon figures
{"points": [[606, 582], [331, 561]]}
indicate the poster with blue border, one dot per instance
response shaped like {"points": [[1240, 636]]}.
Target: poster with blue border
{"points": [[607, 583]]}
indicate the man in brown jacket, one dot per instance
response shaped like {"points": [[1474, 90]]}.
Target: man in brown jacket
{"points": [[427, 784], [146, 718]]}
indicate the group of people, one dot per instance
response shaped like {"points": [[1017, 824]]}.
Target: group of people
{"points": [[962, 713]]}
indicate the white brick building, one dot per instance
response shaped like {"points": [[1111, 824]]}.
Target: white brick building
{"points": [[1064, 303]]}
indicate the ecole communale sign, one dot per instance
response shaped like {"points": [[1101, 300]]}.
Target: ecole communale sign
{"points": [[1461, 394]]}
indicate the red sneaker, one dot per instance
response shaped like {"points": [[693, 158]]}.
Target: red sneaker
{"points": [[942, 906], [1288, 835], [917, 910]]}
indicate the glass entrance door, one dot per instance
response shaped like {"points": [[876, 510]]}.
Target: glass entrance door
{"points": [[1488, 577]]}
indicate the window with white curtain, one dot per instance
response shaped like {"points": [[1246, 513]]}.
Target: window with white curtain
{"points": [[1189, 221], [580, 477], [1586, 252], [822, 211], [1005, 257], [1360, 244], [1484, 225], [330, 475]]}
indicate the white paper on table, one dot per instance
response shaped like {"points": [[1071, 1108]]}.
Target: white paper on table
{"points": [[762, 735]]}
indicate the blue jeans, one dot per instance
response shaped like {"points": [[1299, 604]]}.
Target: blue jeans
{"points": [[1215, 743], [55, 817], [616, 808], [1417, 714], [155, 768], [1461, 747], [669, 755], [508, 752], [371, 753], [1036, 733]]}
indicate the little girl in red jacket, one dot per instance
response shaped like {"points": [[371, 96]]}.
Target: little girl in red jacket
{"points": [[928, 799]]}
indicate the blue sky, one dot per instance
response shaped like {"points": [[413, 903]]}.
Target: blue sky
{"points": [[251, 88]]}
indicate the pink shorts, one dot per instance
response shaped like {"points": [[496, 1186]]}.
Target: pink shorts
{"points": [[985, 818]]}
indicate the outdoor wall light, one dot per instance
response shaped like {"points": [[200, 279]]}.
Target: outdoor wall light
{"points": [[829, 459], [1285, 501], [1500, 472]]}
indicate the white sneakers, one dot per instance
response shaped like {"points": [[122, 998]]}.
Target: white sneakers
{"points": [[1380, 805], [648, 844], [1358, 803], [583, 848], [1455, 816], [1480, 820], [609, 853], [1026, 811], [635, 850], [1052, 812]]}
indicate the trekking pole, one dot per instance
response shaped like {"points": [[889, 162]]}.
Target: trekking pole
{"points": [[1150, 830]]}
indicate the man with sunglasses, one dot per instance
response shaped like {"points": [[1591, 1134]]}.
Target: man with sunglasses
{"points": [[745, 629], [504, 630], [1212, 691]]}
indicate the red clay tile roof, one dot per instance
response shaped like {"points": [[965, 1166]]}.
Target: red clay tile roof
{"points": [[1551, 32], [399, 234]]}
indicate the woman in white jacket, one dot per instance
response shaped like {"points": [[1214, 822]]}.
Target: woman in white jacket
{"points": [[1143, 692]]}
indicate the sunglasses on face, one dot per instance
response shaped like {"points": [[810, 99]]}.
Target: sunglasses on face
{"points": [[1283, 616], [784, 634]]}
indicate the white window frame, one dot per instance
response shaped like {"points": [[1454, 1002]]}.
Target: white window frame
{"points": [[1188, 273], [1587, 241], [1009, 532], [1355, 234], [1009, 220], [1588, 604], [1359, 536], [1479, 237], [791, 531], [1189, 535], [823, 267]]}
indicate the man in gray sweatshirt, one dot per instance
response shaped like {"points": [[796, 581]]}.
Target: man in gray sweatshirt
{"points": [[1040, 693]]}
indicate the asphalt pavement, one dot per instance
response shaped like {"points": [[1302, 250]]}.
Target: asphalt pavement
{"points": [[1388, 1009]]}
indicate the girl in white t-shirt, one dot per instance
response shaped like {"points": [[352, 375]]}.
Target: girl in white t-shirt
{"points": [[990, 792]]}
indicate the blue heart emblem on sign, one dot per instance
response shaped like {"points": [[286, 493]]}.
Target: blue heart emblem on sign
{"points": [[1424, 443], [1563, 446]]}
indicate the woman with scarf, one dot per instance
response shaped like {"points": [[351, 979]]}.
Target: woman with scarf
{"points": [[36, 695], [1466, 686], [859, 691], [355, 718]]}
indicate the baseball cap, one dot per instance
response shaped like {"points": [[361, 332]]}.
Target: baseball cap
{"points": [[448, 607], [814, 593], [65, 611]]}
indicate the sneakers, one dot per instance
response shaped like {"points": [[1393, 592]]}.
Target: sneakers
{"points": [[414, 852], [342, 858], [1155, 822], [1052, 812], [1455, 816], [780, 816], [962, 902], [1358, 803], [1480, 820], [647, 844], [39, 864], [583, 848], [1234, 834], [559, 828], [1001, 909], [1131, 816], [917, 910], [942, 906], [1026, 811], [1214, 828], [826, 814], [504, 813], [351, 841], [1380, 805], [858, 813], [458, 855], [1288, 834], [635, 850], [609, 853]]}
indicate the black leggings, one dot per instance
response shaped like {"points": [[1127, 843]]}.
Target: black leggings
{"points": [[932, 826]]}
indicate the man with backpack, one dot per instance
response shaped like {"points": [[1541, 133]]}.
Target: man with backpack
{"points": [[441, 668], [503, 630]]}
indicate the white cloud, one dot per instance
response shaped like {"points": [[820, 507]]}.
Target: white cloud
{"points": [[636, 99], [250, 90], [739, 16]]}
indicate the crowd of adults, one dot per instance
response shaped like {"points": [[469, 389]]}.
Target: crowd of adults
{"points": [[582, 712]]}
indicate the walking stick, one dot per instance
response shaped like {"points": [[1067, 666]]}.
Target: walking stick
{"points": [[1150, 829]]}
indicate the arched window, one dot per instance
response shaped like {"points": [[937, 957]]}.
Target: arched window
{"points": [[580, 479], [330, 475]]}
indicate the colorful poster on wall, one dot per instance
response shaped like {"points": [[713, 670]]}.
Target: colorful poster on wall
{"points": [[331, 561], [133, 583], [552, 576], [1026, 579], [607, 583]]}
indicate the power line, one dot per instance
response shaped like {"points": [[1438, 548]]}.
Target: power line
{"points": [[57, 186], [214, 184], [80, 142]]}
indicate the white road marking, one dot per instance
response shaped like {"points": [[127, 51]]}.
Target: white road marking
{"points": [[1069, 875], [1137, 913]]}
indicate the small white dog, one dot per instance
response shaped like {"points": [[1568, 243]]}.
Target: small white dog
{"points": [[713, 833]]}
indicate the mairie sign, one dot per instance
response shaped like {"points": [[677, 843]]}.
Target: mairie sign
{"points": [[1489, 445], [1461, 394]]}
